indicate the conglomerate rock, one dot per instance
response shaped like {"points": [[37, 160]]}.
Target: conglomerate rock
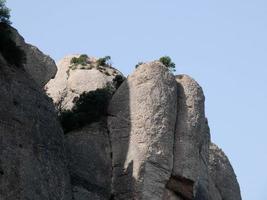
{"points": [[88, 151], [142, 116], [223, 175], [72, 80], [32, 156], [38, 65]]}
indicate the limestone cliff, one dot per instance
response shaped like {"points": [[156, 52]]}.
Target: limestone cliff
{"points": [[153, 142]]}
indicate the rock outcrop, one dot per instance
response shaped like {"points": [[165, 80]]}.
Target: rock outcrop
{"points": [[223, 175], [38, 65], [72, 80], [88, 150], [32, 156], [141, 122], [153, 142], [191, 141]]}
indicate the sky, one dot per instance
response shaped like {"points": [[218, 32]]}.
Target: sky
{"points": [[221, 44]]}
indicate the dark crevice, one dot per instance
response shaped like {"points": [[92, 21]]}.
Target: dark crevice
{"points": [[79, 181], [111, 158], [181, 186]]}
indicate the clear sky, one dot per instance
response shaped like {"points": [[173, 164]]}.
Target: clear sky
{"points": [[221, 43]]}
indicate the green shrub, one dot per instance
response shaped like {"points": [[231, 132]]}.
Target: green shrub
{"points": [[138, 64], [90, 107], [4, 13], [166, 60], [118, 80], [81, 60], [8, 48], [103, 61]]}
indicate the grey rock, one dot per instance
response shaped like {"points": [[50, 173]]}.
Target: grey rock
{"points": [[223, 175], [89, 156], [32, 157], [191, 138], [71, 81], [141, 122], [38, 65], [170, 195]]}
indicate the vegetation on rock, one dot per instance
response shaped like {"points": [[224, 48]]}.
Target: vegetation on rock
{"points": [[103, 61], [90, 107], [138, 64], [167, 61], [118, 80], [8, 48], [4, 13], [81, 60]]}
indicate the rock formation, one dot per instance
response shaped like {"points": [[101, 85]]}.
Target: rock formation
{"points": [[72, 80], [141, 124], [38, 65], [32, 156], [153, 143]]}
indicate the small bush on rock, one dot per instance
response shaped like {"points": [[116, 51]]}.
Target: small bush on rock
{"points": [[166, 60], [81, 60], [12, 53], [118, 80], [4, 13], [103, 61], [138, 64], [90, 107]]}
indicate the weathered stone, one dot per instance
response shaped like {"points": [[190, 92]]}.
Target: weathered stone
{"points": [[90, 166], [223, 175], [71, 81], [32, 157], [38, 65], [192, 136], [170, 195], [142, 116]]}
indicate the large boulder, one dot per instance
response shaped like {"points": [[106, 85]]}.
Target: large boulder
{"points": [[223, 175], [89, 156], [72, 80], [191, 143], [33, 165], [38, 65], [141, 122]]}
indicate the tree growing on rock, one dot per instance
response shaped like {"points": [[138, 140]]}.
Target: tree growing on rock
{"points": [[167, 61], [4, 13]]}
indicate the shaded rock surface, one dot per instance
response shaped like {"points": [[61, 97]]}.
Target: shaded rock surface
{"points": [[223, 175], [89, 158], [141, 122], [71, 81], [32, 157], [38, 65], [191, 139], [154, 144]]}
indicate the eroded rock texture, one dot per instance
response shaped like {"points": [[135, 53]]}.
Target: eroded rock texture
{"points": [[71, 81], [89, 154], [191, 141], [141, 124], [32, 157], [223, 175], [38, 65]]}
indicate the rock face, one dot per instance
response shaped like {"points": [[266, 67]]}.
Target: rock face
{"points": [[191, 141], [38, 65], [141, 121], [154, 142], [71, 81], [32, 156], [90, 168], [222, 174]]}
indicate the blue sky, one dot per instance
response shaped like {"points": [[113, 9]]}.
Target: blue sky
{"points": [[222, 44]]}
